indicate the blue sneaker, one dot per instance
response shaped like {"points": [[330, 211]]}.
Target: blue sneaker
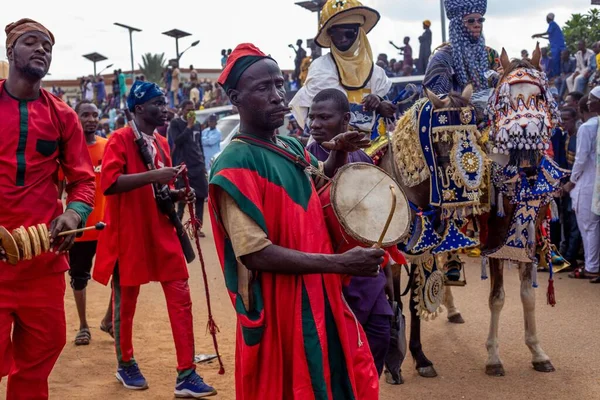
{"points": [[131, 377], [193, 386]]}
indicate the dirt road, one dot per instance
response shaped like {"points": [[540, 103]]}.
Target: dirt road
{"points": [[568, 333]]}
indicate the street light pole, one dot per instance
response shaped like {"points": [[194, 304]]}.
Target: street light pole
{"points": [[194, 44], [443, 21], [131, 29], [95, 57]]}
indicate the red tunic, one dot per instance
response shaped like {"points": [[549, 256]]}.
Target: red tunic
{"points": [[137, 234], [37, 136]]}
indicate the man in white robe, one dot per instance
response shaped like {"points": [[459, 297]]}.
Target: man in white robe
{"points": [[581, 188], [349, 66]]}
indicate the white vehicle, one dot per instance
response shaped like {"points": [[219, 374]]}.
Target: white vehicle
{"points": [[231, 124]]}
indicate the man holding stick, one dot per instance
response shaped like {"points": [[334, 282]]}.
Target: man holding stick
{"points": [[296, 336], [140, 244]]}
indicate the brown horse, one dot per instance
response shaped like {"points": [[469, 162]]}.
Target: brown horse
{"points": [[522, 114], [419, 196]]}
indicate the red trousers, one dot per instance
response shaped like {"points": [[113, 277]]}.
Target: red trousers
{"points": [[179, 306], [34, 310]]}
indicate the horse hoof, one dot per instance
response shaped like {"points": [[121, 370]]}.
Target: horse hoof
{"points": [[543, 366], [427, 372], [456, 319], [393, 379], [494, 370]]}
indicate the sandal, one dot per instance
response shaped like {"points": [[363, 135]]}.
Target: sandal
{"points": [[595, 280], [580, 273], [108, 329], [83, 337]]}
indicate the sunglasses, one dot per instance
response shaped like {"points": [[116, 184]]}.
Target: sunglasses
{"points": [[471, 21], [343, 33]]}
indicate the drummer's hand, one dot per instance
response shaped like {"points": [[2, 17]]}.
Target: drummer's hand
{"points": [[69, 220], [371, 102], [348, 142], [362, 261]]}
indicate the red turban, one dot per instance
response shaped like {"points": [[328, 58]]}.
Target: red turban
{"points": [[22, 26], [240, 60]]}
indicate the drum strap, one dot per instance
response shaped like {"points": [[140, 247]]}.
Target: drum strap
{"points": [[296, 159]]}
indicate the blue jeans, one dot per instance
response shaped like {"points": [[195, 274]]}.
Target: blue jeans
{"points": [[581, 83]]}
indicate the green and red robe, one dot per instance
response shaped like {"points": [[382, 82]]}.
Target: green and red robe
{"points": [[302, 341]]}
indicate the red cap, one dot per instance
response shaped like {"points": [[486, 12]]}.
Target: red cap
{"points": [[241, 51]]}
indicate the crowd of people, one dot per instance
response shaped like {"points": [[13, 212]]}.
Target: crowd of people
{"points": [[301, 332]]}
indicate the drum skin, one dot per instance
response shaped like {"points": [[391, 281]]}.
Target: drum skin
{"points": [[357, 204]]}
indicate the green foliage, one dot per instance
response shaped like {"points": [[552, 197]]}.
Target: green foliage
{"points": [[152, 66], [582, 27]]}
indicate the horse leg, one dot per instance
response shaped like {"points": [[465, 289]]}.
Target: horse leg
{"points": [[493, 365], [453, 312], [423, 365], [541, 362]]}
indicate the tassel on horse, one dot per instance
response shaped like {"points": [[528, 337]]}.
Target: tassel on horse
{"points": [[194, 225]]}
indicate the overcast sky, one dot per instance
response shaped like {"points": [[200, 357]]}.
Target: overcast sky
{"points": [[82, 28]]}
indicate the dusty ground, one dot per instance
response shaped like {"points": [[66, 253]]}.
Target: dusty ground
{"points": [[567, 332]]}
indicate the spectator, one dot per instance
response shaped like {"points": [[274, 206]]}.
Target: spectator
{"points": [[524, 55], [100, 92], [300, 55], [572, 237], [122, 86], [557, 44], [425, 48], [120, 122], [89, 90], [567, 68], [211, 139], [581, 188], [595, 66], [193, 75], [579, 79], [545, 61], [572, 101], [406, 50], [223, 58], [180, 94], [175, 84], [584, 111], [195, 95], [186, 134], [407, 70]]}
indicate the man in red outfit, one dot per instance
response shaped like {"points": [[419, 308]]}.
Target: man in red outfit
{"points": [[140, 245], [39, 134]]}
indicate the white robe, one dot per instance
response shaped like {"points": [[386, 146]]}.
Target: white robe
{"points": [[584, 176], [322, 74]]}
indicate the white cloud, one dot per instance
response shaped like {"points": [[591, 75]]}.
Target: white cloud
{"points": [[270, 24]]}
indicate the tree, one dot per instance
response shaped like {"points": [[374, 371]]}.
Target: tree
{"points": [[152, 66], [582, 27]]}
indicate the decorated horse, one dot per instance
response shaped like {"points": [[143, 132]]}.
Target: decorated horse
{"points": [[435, 157], [522, 112]]}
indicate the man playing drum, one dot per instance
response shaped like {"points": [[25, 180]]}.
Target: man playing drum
{"points": [[329, 116], [296, 337], [40, 133]]}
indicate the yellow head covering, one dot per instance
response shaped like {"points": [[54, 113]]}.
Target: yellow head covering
{"points": [[427, 23], [354, 65]]}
